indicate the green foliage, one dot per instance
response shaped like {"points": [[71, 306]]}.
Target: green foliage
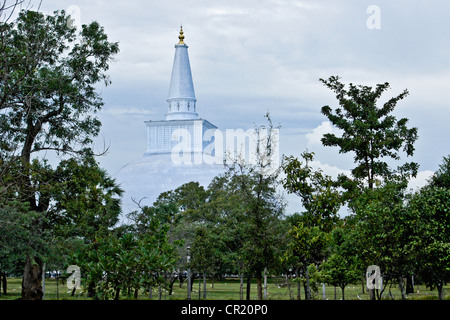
{"points": [[48, 97], [405, 235], [309, 232], [372, 133], [21, 233], [341, 267], [306, 249], [319, 193], [260, 207], [429, 225], [218, 223], [48, 100], [85, 199], [340, 271], [381, 233], [48, 75], [441, 178], [310, 243], [132, 259]]}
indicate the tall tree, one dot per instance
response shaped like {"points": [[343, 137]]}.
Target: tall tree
{"points": [[341, 268], [429, 221], [48, 75], [307, 249], [48, 98], [380, 234], [20, 234], [372, 133], [321, 199], [263, 206]]}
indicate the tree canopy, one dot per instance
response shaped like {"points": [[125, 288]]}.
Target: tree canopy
{"points": [[49, 73], [372, 133]]}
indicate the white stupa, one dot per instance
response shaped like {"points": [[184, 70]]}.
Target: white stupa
{"points": [[179, 148]]}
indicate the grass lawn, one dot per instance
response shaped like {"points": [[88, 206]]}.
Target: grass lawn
{"points": [[227, 289]]}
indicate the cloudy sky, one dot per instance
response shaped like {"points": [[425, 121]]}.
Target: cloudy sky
{"points": [[253, 56]]}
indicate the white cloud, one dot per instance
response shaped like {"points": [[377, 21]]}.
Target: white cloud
{"points": [[420, 180], [332, 171], [127, 110], [222, 11], [314, 137]]}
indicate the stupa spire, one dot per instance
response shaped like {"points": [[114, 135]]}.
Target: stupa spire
{"points": [[181, 36], [182, 101]]}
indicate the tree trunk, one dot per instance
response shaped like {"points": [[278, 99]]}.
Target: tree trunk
{"points": [[4, 284], [371, 294], [409, 284], [288, 286], [189, 286], [116, 297], [307, 286], [390, 292], [204, 285], [43, 281], [249, 282], [441, 294], [193, 276], [180, 278], [91, 289], [32, 276], [363, 285], [299, 285], [259, 285], [402, 287], [324, 296], [343, 294], [241, 287], [171, 283], [265, 284], [57, 285]]}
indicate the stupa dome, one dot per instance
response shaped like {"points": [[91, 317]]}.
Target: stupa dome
{"points": [[145, 179]]}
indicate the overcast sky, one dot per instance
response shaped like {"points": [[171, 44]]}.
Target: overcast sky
{"points": [[253, 56]]}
